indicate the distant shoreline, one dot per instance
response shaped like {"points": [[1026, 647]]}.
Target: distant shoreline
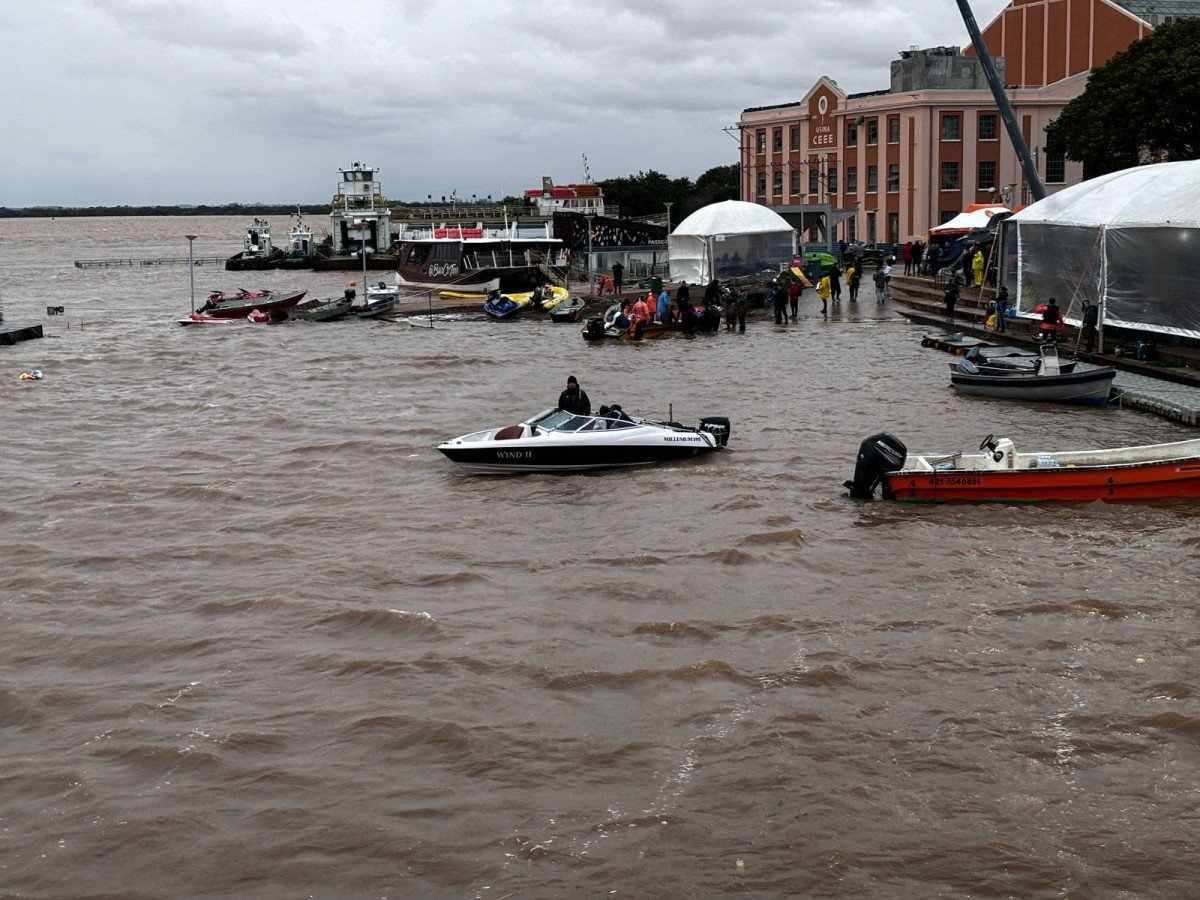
{"points": [[225, 209], [228, 209]]}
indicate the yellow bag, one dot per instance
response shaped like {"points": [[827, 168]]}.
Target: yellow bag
{"points": [[990, 321]]}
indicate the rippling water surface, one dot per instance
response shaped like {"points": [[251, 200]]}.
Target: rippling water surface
{"points": [[258, 639]]}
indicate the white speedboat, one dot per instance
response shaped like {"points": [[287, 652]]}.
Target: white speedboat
{"points": [[559, 441]]}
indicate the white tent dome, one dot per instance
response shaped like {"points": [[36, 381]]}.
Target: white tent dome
{"points": [[1164, 194], [732, 217], [727, 240]]}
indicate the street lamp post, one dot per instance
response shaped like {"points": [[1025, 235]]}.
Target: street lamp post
{"points": [[591, 284], [191, 269], [362, 249]]}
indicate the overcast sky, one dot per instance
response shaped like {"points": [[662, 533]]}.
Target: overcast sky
{"points": [[193, 101]]}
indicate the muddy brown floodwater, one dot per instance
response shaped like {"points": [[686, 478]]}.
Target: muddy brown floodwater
{"points": [[258, 639]]}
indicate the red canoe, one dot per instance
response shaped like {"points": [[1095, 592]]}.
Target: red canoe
{"points": [[999, 473]]}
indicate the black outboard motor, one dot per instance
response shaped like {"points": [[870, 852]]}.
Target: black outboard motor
{"points": [[877, 455], [718, 427], [594, 330]]}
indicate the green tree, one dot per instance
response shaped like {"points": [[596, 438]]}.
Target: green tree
{"points": [[717, 184], [646, 193], [1142, 104]]}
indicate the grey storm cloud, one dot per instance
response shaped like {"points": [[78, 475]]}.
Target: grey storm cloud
{"points": [[145, 101]]}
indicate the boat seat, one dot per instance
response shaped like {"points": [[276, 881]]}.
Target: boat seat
{"points": [[510, 433]]}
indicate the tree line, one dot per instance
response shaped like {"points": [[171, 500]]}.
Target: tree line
{"points": [[643, 194], [648, 193]]}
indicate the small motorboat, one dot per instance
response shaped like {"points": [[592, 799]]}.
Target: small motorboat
{"points": [[703, 320], [506, 306], [1010, 360], [276, 304], [381, 298], [999, 473], [322, 310], [568, 310], [1048, 382], [559, 441]]}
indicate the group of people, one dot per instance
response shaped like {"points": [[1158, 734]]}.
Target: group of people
{"points": [[657, 307], [913, 253]]}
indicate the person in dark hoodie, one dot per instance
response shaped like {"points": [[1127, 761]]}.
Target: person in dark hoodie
{"points": [[575, 399]]}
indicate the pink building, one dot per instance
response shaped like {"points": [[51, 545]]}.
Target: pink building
{"points": [[888, 165]]}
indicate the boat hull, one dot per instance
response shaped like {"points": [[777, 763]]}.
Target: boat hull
{"points": [[568, 311], [322, 311], [1092, 386], [274, 305], [1113, 484], [507, 460]]}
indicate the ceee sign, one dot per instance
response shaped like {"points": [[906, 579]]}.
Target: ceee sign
{"points": [[821, 132]]}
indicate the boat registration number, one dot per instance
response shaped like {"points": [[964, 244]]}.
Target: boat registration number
{"points": [[957, 481]]}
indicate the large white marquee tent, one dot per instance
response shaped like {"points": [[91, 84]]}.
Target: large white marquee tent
{"points": [[727, 239], [1128, 241]]}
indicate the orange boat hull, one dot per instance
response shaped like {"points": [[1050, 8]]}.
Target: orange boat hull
{"points": [[1114, 484]]}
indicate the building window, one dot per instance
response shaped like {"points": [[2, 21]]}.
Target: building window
{"points": [[813, 179], [852, 229], [852, 180], [1056, 168], [761, 140], [795, 181], [893, 129], [872, 179], [796, 137], [951, 127], [777, 141], [987, 126], [987, 175], [945, 215], [870, 228], [872, 131], [949, 176], [851, 134], [761, 186], [831, 182], [777, 183], [894, 178], [893, 228]]}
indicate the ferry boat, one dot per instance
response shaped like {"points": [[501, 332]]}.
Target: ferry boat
{"points": [[478, 259]]}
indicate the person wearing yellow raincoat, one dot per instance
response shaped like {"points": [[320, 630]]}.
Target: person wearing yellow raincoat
{"points": [[977, 267], [824, 289]]}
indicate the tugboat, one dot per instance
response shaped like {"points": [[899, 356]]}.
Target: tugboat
{"points": [[257, 250], [303, 252]]}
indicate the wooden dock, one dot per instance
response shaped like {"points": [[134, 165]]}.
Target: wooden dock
{"points": [[152, 261], [13, 332]]}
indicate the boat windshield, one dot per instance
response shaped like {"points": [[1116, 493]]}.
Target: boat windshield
{"points": [[561, 420]]}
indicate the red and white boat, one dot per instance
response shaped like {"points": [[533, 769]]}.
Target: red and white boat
{"points": [[239, 305], [997, 472]]}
